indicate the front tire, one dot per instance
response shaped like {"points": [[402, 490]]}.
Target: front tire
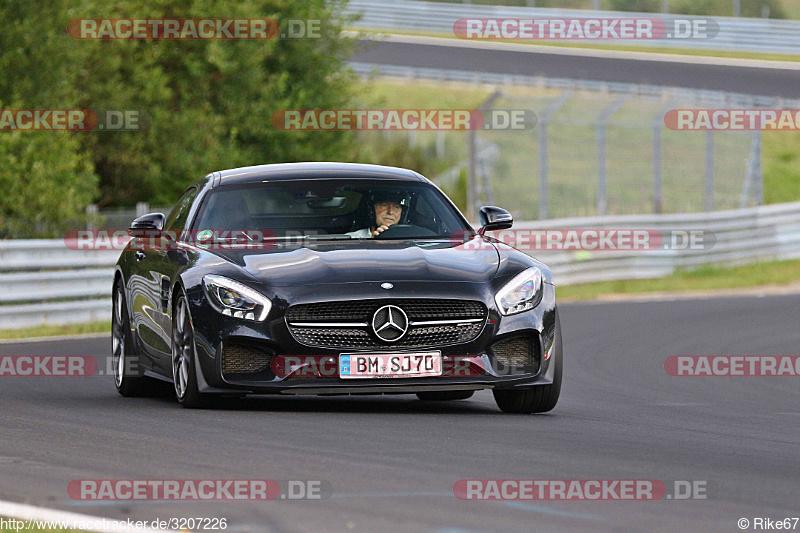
{"points": [[538, 399], [128, 382], [184, 377]]}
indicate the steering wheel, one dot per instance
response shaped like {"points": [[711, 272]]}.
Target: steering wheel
{"points": [[397, 231]]}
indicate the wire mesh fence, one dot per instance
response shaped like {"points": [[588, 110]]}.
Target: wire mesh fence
{"points": [[598, 149], [594, 154]]}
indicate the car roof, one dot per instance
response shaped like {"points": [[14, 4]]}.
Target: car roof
{"points": [[289, 171]]}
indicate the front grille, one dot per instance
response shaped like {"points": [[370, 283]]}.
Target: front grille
{"points": [[243, 359], [333, 337], [363, 310], [441, 335], [360, 335], [519, 350]]}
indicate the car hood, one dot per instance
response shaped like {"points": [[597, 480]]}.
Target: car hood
{"points": [[359, 261]]}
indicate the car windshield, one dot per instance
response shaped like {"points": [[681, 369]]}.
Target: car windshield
{"points": [[330, 209]]}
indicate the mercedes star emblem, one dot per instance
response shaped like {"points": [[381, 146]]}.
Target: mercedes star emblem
{"points": [[390, 323]]}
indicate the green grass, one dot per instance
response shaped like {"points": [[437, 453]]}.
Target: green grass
{"points": [[617, 47], [708, 278], [426, 96], [781, 166], [792, 8], [53, 331]]}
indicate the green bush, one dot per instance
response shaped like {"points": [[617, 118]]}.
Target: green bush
{"points": [[207, 104]]}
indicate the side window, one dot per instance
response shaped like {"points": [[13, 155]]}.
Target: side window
{"points": [[423, 208], [424, 215], [177, 217]]}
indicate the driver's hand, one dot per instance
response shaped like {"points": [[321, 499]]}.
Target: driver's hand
{"points": [[380, 230]]}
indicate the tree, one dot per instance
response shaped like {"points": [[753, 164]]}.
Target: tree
{"points": [[46, 177], [207, 104]]}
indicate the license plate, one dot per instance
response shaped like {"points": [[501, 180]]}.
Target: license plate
{"points": [[390, 365]]}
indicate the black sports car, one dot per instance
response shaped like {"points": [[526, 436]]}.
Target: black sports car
{"points": [[332, 278]]}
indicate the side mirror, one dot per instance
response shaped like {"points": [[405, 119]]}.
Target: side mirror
{"points": [[148, 225], [494, 218]]}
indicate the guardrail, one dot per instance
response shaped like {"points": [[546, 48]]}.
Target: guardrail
{"points": [[735, 34], [743, 236], [43, 282]]}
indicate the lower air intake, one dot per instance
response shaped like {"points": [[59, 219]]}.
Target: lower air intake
{"points": [[243, 359], [519, 350]]}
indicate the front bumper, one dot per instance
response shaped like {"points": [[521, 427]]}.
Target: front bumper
{"points": [[213, 332]]}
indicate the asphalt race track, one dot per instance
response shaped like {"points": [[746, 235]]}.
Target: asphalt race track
{"points": [[392, 461], [737, 79]]}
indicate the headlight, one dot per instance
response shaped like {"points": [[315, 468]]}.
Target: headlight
{"points": [[232, 298], [523, 292]]}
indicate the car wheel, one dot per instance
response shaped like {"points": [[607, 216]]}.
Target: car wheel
{"points": [[445, 396], [538, 399], [128, 382], [183, 369]]}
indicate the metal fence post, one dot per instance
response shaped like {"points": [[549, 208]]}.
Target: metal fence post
{"points": [[440, 143], [544, 193], [91, 216], [658, 186], [758, 174], [472, 182], [544, 190], [709, 197], [471, 149], [602, 185], [658, 194], [752, 185]]}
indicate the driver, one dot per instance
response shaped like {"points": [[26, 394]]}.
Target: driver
{"points": [[387, 208]]}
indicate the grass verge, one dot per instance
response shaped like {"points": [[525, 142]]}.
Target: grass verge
{"points": [[708, 278], [55, 331]]}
